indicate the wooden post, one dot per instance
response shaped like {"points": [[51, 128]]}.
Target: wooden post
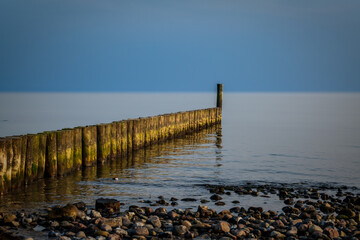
{"points": [[219, 95], [78, 158], [51, 155], [124, 138], [89, 145]]}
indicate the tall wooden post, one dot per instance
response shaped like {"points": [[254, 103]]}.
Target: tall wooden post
{"points": [[219, 95]]}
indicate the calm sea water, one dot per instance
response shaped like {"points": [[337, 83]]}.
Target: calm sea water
{"points": [[264, 138]]}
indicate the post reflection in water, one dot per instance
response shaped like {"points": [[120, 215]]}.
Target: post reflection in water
{"points": [[172, 168], [218, 152]]}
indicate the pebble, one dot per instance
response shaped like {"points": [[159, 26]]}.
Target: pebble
{"points": [[328, 217]]}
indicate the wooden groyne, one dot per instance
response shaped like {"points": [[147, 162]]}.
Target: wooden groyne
{"points": [[25, 159]]}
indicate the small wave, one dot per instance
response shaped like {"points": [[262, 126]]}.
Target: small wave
{"points": [[293, 156]]}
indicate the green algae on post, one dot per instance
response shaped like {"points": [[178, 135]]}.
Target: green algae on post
{"points": [[113, 140], [65, 151], [117, 126], [104, 142], [89, 145], [136, 136], [77, 148], [24, 159], [129, 123], [5, 164], [17, 173], [41, 155], [124, 138], [51, 155]]}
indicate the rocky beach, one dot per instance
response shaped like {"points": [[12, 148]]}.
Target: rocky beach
{"points": [[307, 213]]}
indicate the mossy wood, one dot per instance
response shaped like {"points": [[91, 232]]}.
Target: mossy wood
{"points": [[24, 159]]}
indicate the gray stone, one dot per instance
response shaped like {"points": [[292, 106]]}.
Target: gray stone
{"points": [[155, 221], [95, 214], [221, 227], [314, 228], [180, 230], [106, 227], [81, 234], [140, 231]]}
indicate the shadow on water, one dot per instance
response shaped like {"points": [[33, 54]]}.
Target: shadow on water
{"points": [[172, 167]]}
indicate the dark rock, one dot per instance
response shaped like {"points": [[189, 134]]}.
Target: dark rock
{"points": [[277, 235], [106, 227], [180, 230], [165, 235], [314, 228], [8, 218], [101, 233], [256, 209], [215, 197], [140, 231], [80, 234], [292, 232], [80, 205], [220, 203], [331, 232], [161, 211], [188, 200], [53, 234], [155, 221], [107, 203], [347, 212], [289, 201], [95, 214], [203, 211], [113, 222], [63, 212], [221, 227]]}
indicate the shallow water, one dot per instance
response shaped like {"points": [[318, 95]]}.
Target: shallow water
{"points": [[310, 139]]}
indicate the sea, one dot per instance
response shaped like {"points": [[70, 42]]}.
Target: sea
{"points": [[293, 139]]}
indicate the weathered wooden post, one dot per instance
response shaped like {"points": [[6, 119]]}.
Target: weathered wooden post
{"points": [[130, 125], [124, 138], [118, 138], [89, 145], [6, 155], [104, 142], [51, 155], [113, 141], [219, 95], [78, 149]]}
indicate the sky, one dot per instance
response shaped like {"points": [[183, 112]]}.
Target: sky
{"points": [[179, 46]]}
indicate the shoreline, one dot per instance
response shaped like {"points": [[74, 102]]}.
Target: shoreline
{"points": [[308, 213]]}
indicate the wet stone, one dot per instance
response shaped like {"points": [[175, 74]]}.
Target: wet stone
{"points": [[155, 221], [331, 232], [106, 227], [216, 197], [80, 234], [8, 218], [221, 227], [95, 214], [180, 230], [188, 200], [69, 211], [101, 233], [140, 231], [314, 228], [107, 203]]}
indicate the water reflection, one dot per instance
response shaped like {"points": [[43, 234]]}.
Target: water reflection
{"points": [[170, 168]]}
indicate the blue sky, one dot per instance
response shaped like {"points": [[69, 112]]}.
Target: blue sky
{"points": [[117, 45]]}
